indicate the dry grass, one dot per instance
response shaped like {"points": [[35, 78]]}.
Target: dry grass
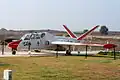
{"points": [[62, 68]]}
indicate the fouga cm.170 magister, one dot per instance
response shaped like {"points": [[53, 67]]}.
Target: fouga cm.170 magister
{"points": [[45, 40]]}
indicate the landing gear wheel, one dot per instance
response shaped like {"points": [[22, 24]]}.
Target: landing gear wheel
{"points": [[13, 51], [68, 52]]}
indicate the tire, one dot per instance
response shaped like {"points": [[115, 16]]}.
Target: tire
{"points": [[47, 43], [13, 52], [68, 52]]}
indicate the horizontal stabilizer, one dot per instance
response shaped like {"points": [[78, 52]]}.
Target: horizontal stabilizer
{"points": [[71, 34], [88, 32]]}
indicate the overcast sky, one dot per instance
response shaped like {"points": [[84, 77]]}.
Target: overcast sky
{"points": [[52, 14]]}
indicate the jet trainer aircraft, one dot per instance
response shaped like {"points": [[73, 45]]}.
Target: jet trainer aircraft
{"points": [[45, 40]]}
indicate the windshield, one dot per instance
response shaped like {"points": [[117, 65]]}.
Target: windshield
{"points": [[26, 37], [30, 36]]}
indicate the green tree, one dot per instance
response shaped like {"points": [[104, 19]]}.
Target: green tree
{"points": [[85, 30], [104, 30]]}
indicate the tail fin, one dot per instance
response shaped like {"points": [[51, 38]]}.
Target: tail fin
{"points": [[88, 32], [71, 34]]}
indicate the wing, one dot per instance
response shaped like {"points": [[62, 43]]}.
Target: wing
{"points": [[75, 43]]}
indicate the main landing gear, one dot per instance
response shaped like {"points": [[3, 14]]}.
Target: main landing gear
{"points": [[68, 52]]}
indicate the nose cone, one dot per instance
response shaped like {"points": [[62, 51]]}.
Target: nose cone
{"points": [[14, 44]]}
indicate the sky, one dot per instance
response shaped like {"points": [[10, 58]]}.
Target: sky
{"points": [[52, 14]]}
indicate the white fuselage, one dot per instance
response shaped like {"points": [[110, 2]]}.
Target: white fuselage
{"points": [[41, 40]]}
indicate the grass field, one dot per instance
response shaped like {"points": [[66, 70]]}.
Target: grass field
{"points": [[62, 68]]}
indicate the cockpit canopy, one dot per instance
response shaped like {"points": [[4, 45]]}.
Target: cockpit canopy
{"points": [[33, 36]]}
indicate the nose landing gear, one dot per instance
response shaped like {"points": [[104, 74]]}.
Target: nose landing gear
{"points": [[14, 51]]}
